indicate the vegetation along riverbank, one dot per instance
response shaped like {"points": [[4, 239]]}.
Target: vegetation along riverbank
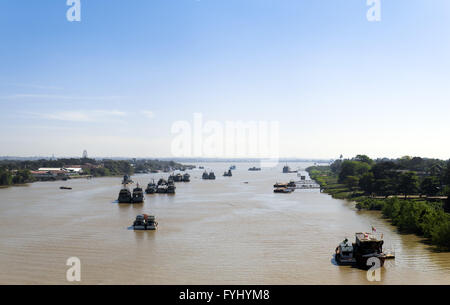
{"points": [[412, 192], [15, 172]]}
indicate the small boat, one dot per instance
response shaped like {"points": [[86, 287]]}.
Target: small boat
{"points": [[212, 176], [170, 188], [278, 185], [138, 195], [151, 188], [162, 181], [125, 195], [365, 247], [232, 167], [284, 190], [228, 174], [145, 222], [287, 170], [178, 178], [126, 179], [65, 188], [201, 167], [254, 168], [205, 176], [186, 178], [162, 189]]}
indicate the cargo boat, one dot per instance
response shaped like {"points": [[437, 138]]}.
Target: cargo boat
{"points": [[365, 247], [145, 222]]}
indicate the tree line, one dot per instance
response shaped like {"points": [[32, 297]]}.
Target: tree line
{"points": [[386, 185]]}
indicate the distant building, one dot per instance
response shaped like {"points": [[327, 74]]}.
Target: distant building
{"points": [[85, 154]]}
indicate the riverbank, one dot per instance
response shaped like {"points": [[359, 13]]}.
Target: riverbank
{"points": [[423, 216]]}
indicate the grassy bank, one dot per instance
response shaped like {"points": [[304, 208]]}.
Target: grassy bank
{"points": [[421, 215]]}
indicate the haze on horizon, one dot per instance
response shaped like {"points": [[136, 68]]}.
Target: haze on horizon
{"points": [[115, 83]]}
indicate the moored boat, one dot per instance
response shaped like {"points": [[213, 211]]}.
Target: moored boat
{"points": [[186, 177], [145, 222], [125, 195], [285, 190], [138, 195], [228, 174], [254, 168], [362, 252], [151, 187]]}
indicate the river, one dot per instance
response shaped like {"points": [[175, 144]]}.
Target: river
{"points": [[211, 232]]}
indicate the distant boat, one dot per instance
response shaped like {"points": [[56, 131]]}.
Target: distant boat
{"points": [[125, 195], [151, 188], [138, 195], [186, 177], [145, 222], [254, 168], [232, 167], [65, 188], [126, 179], [228, 174], [287, 170], [284, 190]]}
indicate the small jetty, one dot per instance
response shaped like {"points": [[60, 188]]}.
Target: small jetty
{"points": [[145, 222]]}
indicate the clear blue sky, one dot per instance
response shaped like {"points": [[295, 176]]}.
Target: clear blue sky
{"points": [[115, 82]]}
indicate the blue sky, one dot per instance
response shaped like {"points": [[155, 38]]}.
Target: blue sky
{"points": [[115, 82]]}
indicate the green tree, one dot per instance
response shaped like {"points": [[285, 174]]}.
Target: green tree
{"points": [[364, 158], [408, 184], [352, 182], [352, 168], [367, 183], [430, 186]]}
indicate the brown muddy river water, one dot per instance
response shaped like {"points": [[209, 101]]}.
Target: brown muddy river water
{"points": [[210, 232]]}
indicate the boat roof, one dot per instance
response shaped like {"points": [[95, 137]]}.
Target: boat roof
{"points": [[367, 237]]}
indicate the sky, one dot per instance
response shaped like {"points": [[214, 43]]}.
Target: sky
{"points": [[116, 82]]}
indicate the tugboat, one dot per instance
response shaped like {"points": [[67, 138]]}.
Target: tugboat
{"points": [[287, 170], [145, 222], [228, 174], [211, 176], [126, 179], [366, 246], [170, 188], [138, 195], [186, 178], [162, 189], [151, 187], [292, 184], [254, 168], [125, 195], [162, 181], [284, 190]]}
